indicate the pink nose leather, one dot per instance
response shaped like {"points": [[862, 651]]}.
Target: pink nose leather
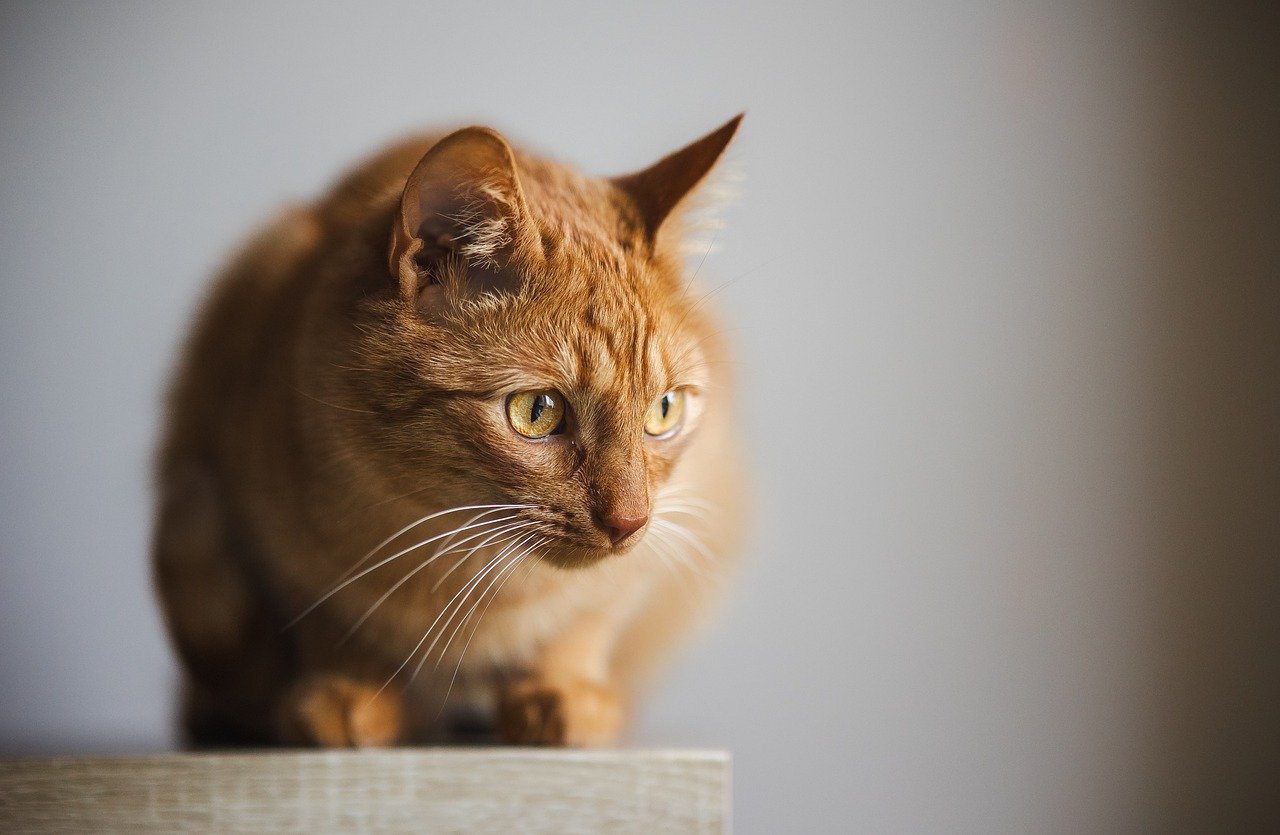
{"points": [[620, 527]]}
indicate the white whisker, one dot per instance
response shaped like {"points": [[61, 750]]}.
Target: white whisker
{"points": [[681, 510], [465, 618], [526, 556], [461, 597], [681, 560], [444, 546], [423, 565], [488, 508], [430, 628], [688, 537], [518, 526], [533, 535], [381, 563]]}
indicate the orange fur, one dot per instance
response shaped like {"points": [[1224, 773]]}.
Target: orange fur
{"points": [[323, 404]]}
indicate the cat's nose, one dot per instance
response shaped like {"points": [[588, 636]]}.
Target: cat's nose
{"points": [[619, 527]]}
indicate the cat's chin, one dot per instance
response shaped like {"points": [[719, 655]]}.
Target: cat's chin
{"points": [[572, 557]]}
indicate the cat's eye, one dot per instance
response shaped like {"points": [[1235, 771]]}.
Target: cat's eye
{"points": [[665, 414], [537, 414]]}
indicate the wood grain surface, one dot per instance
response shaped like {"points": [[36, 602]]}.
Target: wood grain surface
{"points": [[390, 790]]}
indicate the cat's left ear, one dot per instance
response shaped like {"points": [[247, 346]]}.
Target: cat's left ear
{"points": [[660, 188], [462, 215]]}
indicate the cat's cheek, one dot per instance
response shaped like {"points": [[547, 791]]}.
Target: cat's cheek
{"points": [[665, 454], [531, 467]]}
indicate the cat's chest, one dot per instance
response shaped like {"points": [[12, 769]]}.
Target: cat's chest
{"points": [[490, 623], [524, 619]]}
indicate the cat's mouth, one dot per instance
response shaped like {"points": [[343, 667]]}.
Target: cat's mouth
{"points": [[625, 543], [577, 551], [570, 539]]}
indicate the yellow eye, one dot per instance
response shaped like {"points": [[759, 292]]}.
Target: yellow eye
{"points": [[536, 414], [665, 414]]}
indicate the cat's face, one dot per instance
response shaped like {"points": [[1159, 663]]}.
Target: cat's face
{"points": [[561, 372], [557, 402]]}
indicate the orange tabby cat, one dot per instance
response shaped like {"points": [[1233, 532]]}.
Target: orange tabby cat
{"points": [[493, 364]]}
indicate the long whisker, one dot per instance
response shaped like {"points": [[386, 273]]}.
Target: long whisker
{"points": [[710, 246], [678, 558], [488, 508], [381, 563], [508, 524], [708, 295], [679, 361], [443, 577], [654, 541], [687, 536], [460, 598], [368, 612], [506, 552], [683, 494], [527, 556], [699, 511], [479, 599], [444, 546], [680, 491], [430, 628], [686, 503]]}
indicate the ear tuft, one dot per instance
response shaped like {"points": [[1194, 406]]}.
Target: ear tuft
{"points": [[659, 189]]}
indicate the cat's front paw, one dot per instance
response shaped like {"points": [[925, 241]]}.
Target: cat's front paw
{"points": [[579, 714], [338, 712]]}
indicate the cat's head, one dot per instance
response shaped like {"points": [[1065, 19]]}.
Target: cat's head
{"points": [[543, 349]]}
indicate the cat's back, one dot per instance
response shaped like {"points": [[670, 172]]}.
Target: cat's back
{"points": [[255, 306], [238, 328]]}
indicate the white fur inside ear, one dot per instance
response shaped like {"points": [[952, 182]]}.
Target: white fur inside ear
{"points": [[481, 231], [700, 216]]}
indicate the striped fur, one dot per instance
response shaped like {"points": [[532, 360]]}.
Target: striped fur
{"points": [[323, 404]]}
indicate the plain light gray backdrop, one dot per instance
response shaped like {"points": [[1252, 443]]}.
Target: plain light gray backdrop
{"points": [[1002, 278]]}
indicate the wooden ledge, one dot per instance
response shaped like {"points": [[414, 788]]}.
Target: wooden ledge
{"points": [[406, 789]]}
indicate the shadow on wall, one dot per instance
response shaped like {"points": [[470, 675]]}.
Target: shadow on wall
{"points": [[1214, 430]]}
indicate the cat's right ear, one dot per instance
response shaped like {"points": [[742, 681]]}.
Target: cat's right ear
{"points": [[462, 213]]}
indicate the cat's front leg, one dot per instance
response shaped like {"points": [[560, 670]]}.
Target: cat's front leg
{"points": [[578, 713], [568, 698], [333, 711]]}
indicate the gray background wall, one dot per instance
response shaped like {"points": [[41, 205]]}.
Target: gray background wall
{"points": [[1004, 283]]}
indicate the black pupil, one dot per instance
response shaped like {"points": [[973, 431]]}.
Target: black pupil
{"points": [[540, 403], [666, 404]]}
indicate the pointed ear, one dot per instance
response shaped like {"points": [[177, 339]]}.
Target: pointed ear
{"points": [[462, 206], [657, 190]]}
